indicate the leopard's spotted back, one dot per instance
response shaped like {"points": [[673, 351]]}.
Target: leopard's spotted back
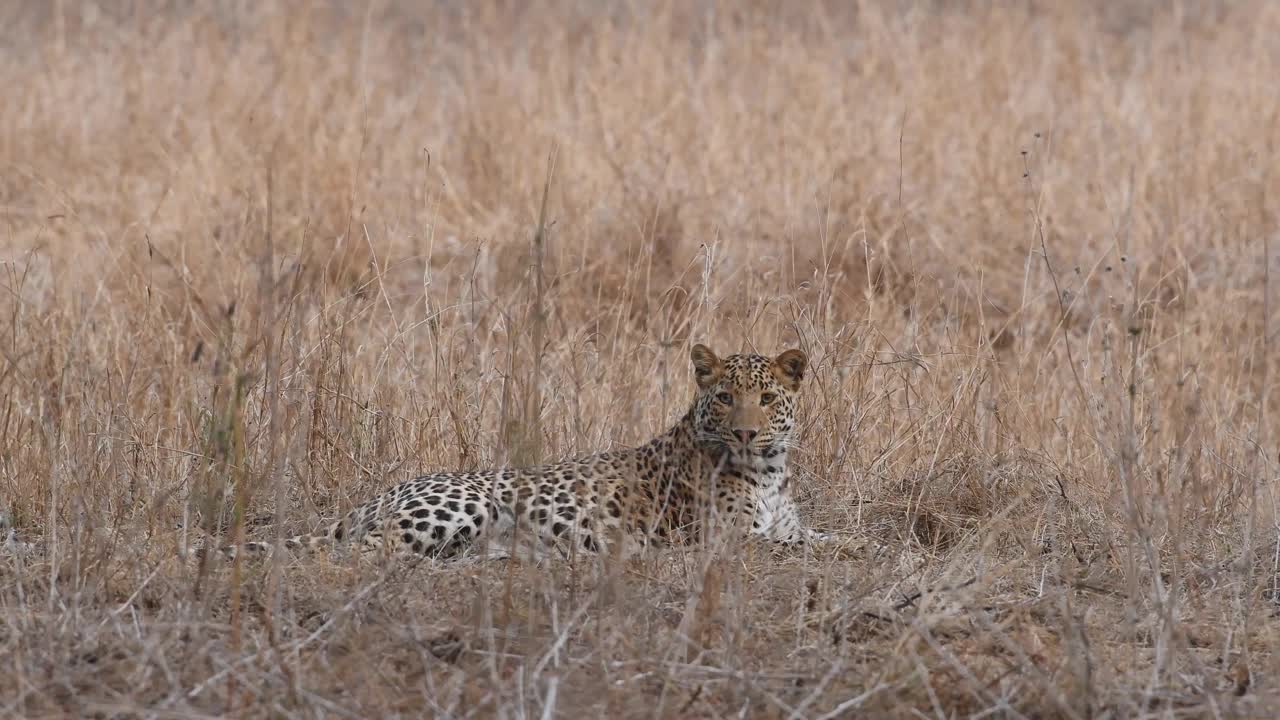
{"points": [[726, 459]]}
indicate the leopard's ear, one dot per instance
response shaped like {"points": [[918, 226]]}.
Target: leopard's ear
{"points": [[707, 368], [789, 368]]}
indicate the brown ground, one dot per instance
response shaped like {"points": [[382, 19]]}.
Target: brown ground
{"points": [[276, 255]]}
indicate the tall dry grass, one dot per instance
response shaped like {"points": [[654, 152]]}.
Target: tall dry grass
{"points": [[261, 260]]}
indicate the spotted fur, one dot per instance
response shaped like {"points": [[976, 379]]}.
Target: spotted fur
{"points": [[724, 462]]}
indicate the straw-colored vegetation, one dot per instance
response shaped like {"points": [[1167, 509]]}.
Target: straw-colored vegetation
{"points": [[261, 260]]}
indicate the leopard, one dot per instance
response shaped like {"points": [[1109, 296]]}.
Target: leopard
{"points": [[722, 464]]}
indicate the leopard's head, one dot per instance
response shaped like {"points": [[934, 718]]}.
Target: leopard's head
{"points": [[746, 403]]}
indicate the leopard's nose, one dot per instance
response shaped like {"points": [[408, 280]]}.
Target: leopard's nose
{"points": [[746, 436]]}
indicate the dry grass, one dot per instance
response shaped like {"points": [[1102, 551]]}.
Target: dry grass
{"points": [[261, 259]]}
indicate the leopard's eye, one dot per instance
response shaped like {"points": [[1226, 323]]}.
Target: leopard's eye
{"points": [[767, 398], [726, 398]]}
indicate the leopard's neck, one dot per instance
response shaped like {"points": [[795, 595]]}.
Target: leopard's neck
{"points": [[766, 469]]}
